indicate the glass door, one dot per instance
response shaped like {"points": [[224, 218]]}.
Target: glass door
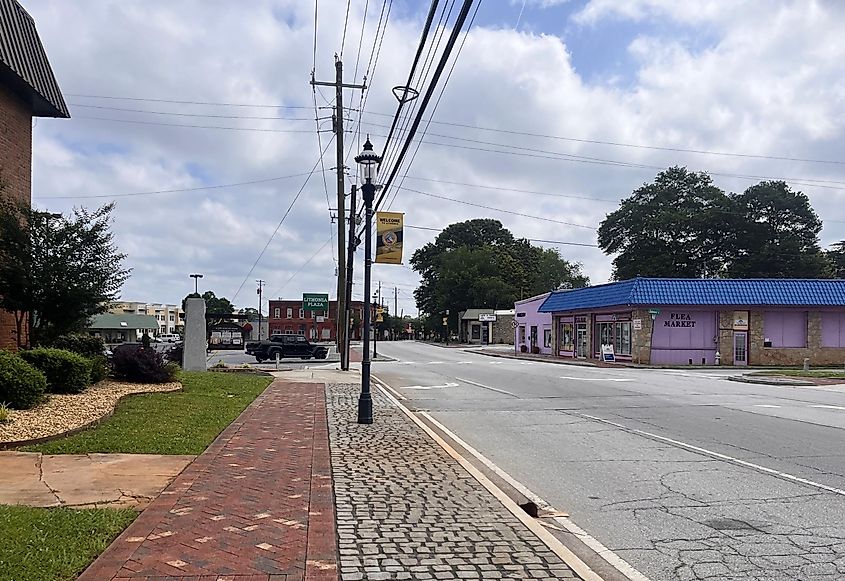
{"points": [[582, 346], [740, 348]]}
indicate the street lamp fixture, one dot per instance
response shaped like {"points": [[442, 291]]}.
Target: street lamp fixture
{"points": [[369, 161], [196, 278]]}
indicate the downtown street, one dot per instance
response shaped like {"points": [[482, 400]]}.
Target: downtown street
{"points": [[680, 473]]}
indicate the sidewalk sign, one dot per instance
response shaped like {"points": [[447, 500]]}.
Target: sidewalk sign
{"points": [[607, 354]]}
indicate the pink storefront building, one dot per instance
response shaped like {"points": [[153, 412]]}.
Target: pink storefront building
{"points": [[701, 321]]}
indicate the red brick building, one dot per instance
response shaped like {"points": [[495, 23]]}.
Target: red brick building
{"points": [[27, 89], [287, 317]]}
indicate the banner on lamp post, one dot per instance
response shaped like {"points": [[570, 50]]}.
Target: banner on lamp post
{"points": [[389, 235]]}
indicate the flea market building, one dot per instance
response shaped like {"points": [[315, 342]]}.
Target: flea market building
{"points": [[702, 321]]}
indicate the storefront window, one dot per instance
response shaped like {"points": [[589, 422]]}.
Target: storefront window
{"points": [[522, 335], [567, 342], [547, 338], [605, 335], [622, 338]]}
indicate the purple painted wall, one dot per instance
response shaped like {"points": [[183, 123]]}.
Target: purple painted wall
{"points": [[833, 329], [526, 315], [785, 328], [681, 334]]}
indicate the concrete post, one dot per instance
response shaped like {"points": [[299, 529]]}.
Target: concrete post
{"points": [[194, 352]]}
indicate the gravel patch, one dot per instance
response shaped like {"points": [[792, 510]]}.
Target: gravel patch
{"points": [[65, 412]]}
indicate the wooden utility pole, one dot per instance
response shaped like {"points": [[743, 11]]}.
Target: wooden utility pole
{"points": [[342, 315], [261, 284]]}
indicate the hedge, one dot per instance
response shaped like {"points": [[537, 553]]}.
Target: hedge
{"points": [[21, 385], [66, 372]]}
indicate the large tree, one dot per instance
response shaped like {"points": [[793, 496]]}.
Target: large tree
{"points": [[681, 225], [836, 257], [479, 264], [672, 227], [56, 271], [776, 235], [213, 304]]}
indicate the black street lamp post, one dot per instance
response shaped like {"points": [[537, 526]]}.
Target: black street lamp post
{"points": [[375, 328], [368, 160], [196, 278]]}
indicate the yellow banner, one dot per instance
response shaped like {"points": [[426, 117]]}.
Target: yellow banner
{"points": [[389, 235]]}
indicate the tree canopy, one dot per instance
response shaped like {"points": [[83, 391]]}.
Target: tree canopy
{"points": [[479, 264], [213, 303], [836, 256], [58, 270], [683, 226]]}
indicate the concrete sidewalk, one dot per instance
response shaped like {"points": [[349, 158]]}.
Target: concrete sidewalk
{"points": [[296, 490]]}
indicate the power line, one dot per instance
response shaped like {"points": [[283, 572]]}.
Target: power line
{"points": [[214, 103], [279, 225], [530, 239], [139, 122], [498, 209], [176, 114], [301, 268], [345, 22], [214, 187], [447, 51]]}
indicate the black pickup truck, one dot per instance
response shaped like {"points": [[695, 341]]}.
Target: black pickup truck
{"points": [[285, 346]]}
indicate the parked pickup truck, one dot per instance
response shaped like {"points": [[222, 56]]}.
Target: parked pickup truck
{"points": [[285, 346]]}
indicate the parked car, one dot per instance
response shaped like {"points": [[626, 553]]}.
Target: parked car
{"points": [[285, 346], [168, 338]]}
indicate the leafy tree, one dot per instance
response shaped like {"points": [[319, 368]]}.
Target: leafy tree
{"points": [[777, 235], [57, 271], [673, 227], [836, 257], [683, 226], [213, 303], [251, 314], [479, 264]]}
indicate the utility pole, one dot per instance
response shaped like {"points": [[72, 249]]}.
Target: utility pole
{"points": [[395, 309], [341, 321], [350, 261], [261, 284]]}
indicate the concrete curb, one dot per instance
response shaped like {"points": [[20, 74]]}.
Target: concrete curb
{"points": [[772, 380], [519, 358]]}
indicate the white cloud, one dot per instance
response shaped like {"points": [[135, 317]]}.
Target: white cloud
{"points": [[769, 80]]}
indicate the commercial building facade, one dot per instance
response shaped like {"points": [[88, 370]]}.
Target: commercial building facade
{"points": [[533, 329], [287, 317], [702, 322], [114, 329], [28, 89], [169, 318]]}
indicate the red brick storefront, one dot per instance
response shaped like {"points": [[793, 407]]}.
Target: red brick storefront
{"points": [[27, 89], [286, 317]]}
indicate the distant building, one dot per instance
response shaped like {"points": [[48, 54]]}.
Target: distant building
{"points": [[287, 317], [667, 321], [27, 89], [533, 330], [169, 318], [121, 328]]}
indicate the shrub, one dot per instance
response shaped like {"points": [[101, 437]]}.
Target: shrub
{"points": [[4, 413], [142, 365], [85, 345], [66, 371], [21, 385], [99, 368], [523, 348], [535, 350]]}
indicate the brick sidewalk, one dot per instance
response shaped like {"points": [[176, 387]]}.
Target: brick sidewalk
{"points": [[256, 505]]}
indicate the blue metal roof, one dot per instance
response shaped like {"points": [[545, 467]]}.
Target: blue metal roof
{"points": [[684, 291]]}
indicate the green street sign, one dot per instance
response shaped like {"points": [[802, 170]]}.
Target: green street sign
{"points": [[654, 311], [315, 302]]}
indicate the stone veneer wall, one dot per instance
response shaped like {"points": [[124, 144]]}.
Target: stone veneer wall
{"points": [[818, 355], [503, 331], [641, 347], [15, 175]]}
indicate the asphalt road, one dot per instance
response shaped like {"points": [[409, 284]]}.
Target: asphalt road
{"points": [[238, 357], [681, 473]]}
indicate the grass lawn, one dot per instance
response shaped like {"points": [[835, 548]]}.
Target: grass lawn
{"points": [[183, 422], [824, 373], [55, 544]]}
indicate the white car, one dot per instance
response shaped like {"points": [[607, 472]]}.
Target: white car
{"points": [[168, 338]]}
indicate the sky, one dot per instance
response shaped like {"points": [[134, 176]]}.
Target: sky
{"points": [[554, 111]]}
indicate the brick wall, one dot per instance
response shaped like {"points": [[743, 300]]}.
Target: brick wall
{"points": [[15, 173]]}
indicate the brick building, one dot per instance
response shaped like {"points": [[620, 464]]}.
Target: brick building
{"points": [[702, 321], [27, 89], [287, 317]]}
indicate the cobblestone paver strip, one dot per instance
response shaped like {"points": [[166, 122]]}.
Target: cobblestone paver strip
{"points": [[257, 504], [408, 510]]}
